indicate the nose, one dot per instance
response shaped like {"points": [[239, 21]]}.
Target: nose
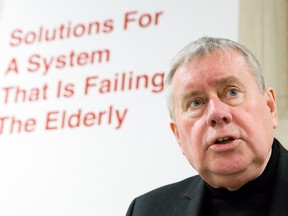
{"points": [[218, 113]]}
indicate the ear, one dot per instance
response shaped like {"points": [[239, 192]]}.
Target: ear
{"points": [[175, 131], [271, 102]]}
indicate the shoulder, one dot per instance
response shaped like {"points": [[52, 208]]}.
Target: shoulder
{"points": [[162, 200], [174, 190]]}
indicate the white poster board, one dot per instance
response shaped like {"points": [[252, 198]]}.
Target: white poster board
{"points": [[83, 124]]}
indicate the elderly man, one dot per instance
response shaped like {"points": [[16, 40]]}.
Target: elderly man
{"points": [[223, 118]]}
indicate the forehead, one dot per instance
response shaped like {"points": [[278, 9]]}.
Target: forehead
{"points": [[208, 69]]}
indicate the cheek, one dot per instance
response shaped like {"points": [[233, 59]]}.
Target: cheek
{"points": [[258, 118], [256, 128], [191, 140], [191, 131]]}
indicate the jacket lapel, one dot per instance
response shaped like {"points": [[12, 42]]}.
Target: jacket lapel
{"points": [[191, 201]]}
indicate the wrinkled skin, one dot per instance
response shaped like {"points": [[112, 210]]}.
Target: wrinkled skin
{"points": [[222, 121]]}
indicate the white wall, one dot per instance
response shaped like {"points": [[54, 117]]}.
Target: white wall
{"points": [[98, 167]]}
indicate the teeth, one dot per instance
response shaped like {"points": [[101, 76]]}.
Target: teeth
{"points": [[223, 139]]}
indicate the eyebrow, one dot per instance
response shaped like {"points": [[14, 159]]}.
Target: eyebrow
{"points": [[225, 80]]}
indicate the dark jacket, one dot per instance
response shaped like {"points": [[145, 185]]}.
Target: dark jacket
{"points": [[185, 198]]}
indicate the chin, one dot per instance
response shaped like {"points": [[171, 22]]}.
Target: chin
{"points": [[230, 170], [229, 166], [231, 178]]}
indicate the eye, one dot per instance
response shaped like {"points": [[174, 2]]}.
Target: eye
{"points": [[196, 103], [233, 96], [232, 92]]}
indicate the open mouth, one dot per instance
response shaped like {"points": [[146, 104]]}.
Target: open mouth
{"points": [[224, 140]]}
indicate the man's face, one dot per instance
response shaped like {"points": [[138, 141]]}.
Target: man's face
{"points": [[223, 122]]}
